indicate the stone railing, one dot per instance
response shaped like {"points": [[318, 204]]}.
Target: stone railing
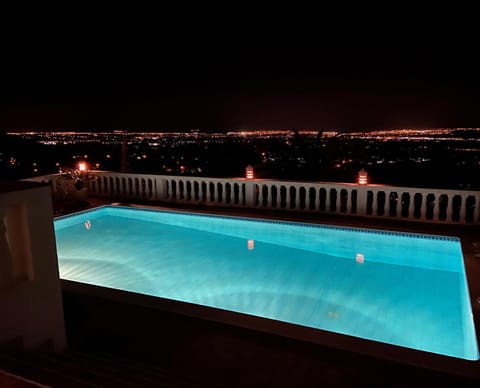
{"points": [[420, 204]]}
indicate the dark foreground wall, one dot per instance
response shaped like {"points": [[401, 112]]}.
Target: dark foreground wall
{"points": [[224, 354]]}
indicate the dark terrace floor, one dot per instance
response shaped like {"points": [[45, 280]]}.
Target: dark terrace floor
{"points": [[230, 356]]}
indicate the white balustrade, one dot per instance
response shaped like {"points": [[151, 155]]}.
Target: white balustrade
{"points": [[427, 205]]}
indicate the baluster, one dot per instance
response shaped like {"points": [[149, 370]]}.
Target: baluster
{"points": [[386, 207], [181, 189], [106, 186], [327, 199], [187, 188], [411, 205], [375, 201], [260, 195], [307, 198], [436, 208], [207, 191], [297, 198], [463, 210], [116, 185], [222, 200], [110, 185], [213, 192], [316, 200], [423, 207], [269, 196], [350, 197]]}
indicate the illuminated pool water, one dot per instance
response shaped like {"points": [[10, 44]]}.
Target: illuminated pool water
{"points": [[398, 288]]}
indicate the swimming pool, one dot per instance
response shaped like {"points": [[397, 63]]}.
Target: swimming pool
{"points": [[403, 289]]}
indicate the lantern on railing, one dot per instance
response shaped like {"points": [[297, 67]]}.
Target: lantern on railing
{"points": [[362, 177], [249, 174], [82, 166]]}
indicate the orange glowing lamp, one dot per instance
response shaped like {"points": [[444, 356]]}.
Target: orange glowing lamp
{"points": [[362, 177], [249, 173], [82, 166]]}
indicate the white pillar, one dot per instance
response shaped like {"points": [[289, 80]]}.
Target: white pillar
{"points": [[423, 207], [207, 191], [260, 195], [115, 188], [307, 198], [214, 192], [106, 185], [463, 210], [386, 208], [223, 193], [327, 199], [411, 206], [297, 198], [315, 201], [449, 208], [361, 200], [374, 203], [269, 196], [161, 188], [436, 208], [250, 188], [293, 199]]}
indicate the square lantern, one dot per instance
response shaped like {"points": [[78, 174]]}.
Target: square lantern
{"points": [[249, 174], [82, 166], [362, 177]]}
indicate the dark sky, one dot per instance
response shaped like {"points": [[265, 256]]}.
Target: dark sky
{"points": [[163, 79]]}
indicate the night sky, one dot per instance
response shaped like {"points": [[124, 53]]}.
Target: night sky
{"points": [[166, 80]]}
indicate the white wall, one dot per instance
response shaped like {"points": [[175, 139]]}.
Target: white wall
{"points": [[30, 290]]}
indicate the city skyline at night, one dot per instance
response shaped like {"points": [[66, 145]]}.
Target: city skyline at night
{"points": [[437, 157]]}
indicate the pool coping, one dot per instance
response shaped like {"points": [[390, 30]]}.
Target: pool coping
{"points": [[283, 222]]}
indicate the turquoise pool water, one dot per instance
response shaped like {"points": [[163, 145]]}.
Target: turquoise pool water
{"points": [[398, 288]]}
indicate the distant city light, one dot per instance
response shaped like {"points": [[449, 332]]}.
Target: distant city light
{"points": [[340, 151]]}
